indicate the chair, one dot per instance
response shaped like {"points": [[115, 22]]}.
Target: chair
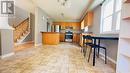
{"points": [[88, 37], [86, 42]]}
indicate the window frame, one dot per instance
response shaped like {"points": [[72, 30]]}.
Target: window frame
{"points": [[114, 19]]}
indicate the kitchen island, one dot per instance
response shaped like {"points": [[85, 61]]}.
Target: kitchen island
{"points": [[50, 38]]}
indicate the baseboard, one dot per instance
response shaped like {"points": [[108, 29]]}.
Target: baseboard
{"points": [[110, 59], [24, 43], [38, 44], [6, 55]]}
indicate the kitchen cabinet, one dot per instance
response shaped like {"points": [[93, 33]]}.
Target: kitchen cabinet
{"points": [[63, 27], [81, 40], [82, 24], [62, 37], [88, 19], [76, 37], [50, 38], [74, 25]]}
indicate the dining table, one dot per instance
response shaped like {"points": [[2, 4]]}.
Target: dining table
{"points": [[96, 41]]}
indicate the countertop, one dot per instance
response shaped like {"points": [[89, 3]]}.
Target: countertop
{"points": [[51, 32], [59, 32]]}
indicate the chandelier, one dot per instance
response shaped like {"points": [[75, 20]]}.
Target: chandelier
{"points": [[64, 2]]}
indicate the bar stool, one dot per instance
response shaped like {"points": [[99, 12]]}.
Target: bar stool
{"points": [[86, 43], [88, 37]]}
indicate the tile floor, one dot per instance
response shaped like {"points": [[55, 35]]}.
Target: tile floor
{"points": [[24, 46], [63, 58]]}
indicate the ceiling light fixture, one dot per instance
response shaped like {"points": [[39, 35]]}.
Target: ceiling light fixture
{"points": [[62, 14], [64, 2]]}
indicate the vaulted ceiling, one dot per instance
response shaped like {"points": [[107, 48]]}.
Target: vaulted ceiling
{"points": [[73, 11]]}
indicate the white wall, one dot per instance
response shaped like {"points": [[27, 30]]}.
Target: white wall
{"points": [[111, 45], [40, 24], [4, 23], [20, 16], [6, 42], [26, 5]]}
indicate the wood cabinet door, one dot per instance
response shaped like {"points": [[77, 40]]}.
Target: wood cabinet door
{"points": [[85, 21], [82, 24], [62, 37], [76, 38], [88, 20], [81, 40]]}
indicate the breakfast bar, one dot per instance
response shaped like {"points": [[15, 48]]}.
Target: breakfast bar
{"points": [[50, 38], [99, 38]]}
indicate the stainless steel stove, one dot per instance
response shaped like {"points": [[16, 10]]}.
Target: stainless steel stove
{"points": [[69, 36]]}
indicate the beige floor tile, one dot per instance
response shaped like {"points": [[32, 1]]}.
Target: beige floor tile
{"points": [[62, 58]]}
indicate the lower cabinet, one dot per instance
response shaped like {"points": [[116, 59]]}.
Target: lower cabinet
{"points": [[81, 40], [76, 37], [62, 37]]}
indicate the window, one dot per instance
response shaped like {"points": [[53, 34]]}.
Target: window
{"points": [[86, 29], [111, 13], [108, 24], [118, 13]]}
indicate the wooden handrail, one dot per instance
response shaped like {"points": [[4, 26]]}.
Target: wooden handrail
{"points": [[21, 22]]}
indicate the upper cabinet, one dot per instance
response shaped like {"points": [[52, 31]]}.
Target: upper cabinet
{"points": [[88, 19], [65, 25], [82, 24]]}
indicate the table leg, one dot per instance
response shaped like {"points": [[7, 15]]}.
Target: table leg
{"points": [[98, 48], [82, 50], [94, 56], [94, 53]]}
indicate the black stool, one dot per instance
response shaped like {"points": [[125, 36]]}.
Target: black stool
{"points": [[88, 37]]}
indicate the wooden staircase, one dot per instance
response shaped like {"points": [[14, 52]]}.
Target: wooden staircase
{"points": [[21, 31]]}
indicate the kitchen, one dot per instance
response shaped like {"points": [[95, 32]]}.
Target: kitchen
{"points": [[79, 29], [70, 31]]}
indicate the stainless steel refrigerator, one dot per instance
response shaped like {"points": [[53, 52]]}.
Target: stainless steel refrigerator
{"points": [[56, 28]]}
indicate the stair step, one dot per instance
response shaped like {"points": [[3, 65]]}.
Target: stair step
{"points": [[19, 30], [24, 35], [19, 41]]}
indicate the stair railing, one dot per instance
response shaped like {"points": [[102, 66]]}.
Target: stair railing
{"points": [[21, 29]]}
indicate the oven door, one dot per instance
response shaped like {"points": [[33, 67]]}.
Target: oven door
{"points": [[68, 38]]}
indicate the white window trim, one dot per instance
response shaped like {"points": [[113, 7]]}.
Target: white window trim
{"points": [[113, 22], [110, 32]]}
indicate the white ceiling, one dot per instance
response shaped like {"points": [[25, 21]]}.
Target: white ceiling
{"points": [[74, 12]]}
